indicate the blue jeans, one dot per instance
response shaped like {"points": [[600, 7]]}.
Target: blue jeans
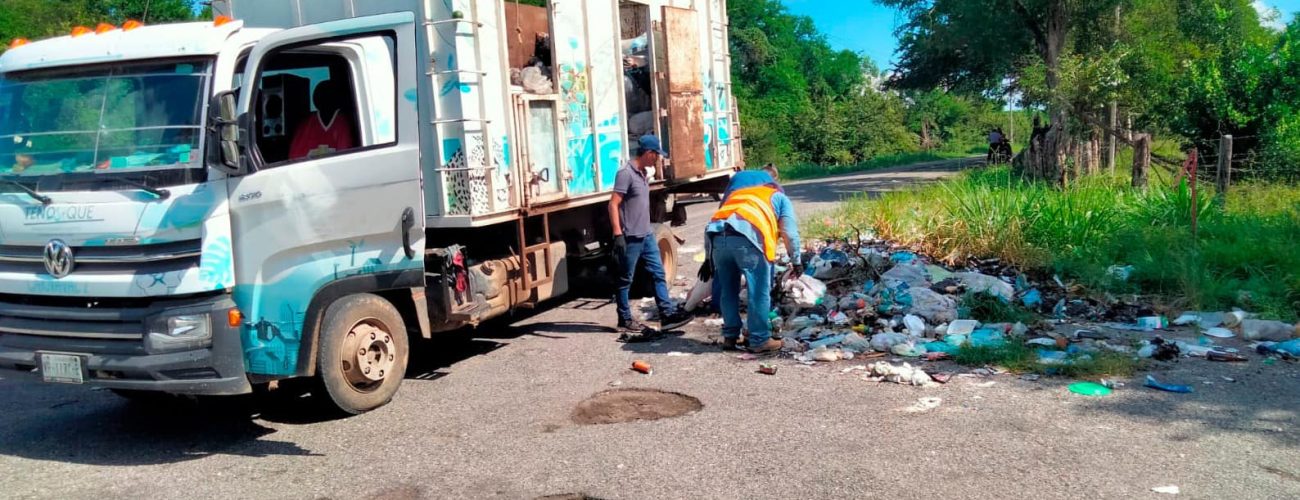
{"points": [[643, 249], [735, 256]]}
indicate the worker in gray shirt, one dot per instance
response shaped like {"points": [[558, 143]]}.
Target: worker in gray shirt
{"points": [[634, 241]]}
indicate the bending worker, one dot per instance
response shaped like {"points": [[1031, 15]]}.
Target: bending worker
{"points": [[742, 239]]}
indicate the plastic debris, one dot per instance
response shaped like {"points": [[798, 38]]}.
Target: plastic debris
{"points": [[1168, 490], [1227, 357], [1032, 299], [698, 294], [987, 338], [643, 367], [805, 291], [1121, 273], [983, 283], [767, 369], [1153, 323], [932, 306], [829, 264], [855, 343], [1277, 331], [908, 349], [912, 276], [883, 342], [1090, 389], [827, 341], [1155, 384], [1220, 332], [915, 325], [963, 327]]}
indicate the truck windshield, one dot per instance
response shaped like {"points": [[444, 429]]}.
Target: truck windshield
{"points": [[119, 119]]}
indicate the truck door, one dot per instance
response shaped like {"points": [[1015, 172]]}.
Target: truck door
{"points": [[685, 93], [336, 199]]}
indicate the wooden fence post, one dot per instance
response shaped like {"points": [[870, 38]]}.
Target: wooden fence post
{"points": [[1141, 159], [1225, 169]]}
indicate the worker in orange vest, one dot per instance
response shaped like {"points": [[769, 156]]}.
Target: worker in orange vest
{"points": [[742, 239]]}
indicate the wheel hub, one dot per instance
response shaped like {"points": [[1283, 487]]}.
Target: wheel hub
{"points": [[368, 355]]}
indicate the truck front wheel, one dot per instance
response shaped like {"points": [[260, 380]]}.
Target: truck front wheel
{"points": [[363, 353]]}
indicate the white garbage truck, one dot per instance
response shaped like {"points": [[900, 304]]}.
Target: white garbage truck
{"points": [[300, 190]]}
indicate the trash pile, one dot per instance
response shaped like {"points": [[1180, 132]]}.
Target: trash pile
{"points": [[870, 300]]}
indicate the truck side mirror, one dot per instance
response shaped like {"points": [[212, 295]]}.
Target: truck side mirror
{"points": [[225, 125]]}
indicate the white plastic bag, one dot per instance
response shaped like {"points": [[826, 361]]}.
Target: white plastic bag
{"points": [[933, 306], [702, 290], [883, 342], [805, 291], [983, 283]]}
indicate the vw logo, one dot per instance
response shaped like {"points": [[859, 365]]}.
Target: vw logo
{"points": [[58, 258]]}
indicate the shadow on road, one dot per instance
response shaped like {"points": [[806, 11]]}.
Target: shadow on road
{"points": [[117, 432]]}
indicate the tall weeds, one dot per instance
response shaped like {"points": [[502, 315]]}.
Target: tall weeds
{"points": [[1244, 254]]}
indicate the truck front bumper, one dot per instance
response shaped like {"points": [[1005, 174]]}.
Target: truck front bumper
{"points": [[110, 341]]}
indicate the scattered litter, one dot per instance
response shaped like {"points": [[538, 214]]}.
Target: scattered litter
{"points": [[942, 377], [1092, 389], [715, 322], [700, 257], [1155, 384], [767, 369], [1031, 377], [1121, 273], [1220, 332], [1043, 341], [699, 293], [1168, 490], [1277, 331], [678, 354], [1228, 379], [1153, 323], [824, 354], [908, 349], [1225, 357], [983, 283], [616, 383], [915, 325], [643, 367], [924, 404]]}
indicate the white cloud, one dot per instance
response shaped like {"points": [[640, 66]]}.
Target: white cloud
{"points": [[1269, 15]]}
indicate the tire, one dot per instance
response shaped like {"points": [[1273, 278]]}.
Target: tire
{"points": [[643, 284], [363, 353]]}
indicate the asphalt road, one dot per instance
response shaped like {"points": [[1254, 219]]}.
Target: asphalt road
{"points": [[486, 414]]}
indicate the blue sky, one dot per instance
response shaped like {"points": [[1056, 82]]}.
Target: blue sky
{"points": [[868, 28]]}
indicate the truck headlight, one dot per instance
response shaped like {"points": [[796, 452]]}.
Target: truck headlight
{"points": [[172, 333]]}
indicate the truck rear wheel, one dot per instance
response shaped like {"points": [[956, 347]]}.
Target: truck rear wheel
{"points": [[363, 353], [643, 285]]}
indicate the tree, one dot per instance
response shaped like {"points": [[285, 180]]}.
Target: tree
{"points": [[985, 46], [35, 19]]}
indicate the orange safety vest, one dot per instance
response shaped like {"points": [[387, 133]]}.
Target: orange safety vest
{"points": [[754, 205]]}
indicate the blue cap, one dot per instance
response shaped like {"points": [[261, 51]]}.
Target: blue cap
{"points": [[649, 142]]}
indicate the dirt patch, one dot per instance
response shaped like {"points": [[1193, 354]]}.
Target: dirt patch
{"points": [[630, 405]]}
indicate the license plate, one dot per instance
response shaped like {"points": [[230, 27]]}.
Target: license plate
{"points": [[62, 368]]}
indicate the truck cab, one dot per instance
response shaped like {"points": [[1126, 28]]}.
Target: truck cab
{"points": [[202, 208]]}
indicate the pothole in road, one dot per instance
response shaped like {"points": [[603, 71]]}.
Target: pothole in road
{"points": [[630, 405]]}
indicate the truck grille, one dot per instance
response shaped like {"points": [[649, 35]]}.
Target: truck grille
{"points": [[156, 258], [88, 321]]}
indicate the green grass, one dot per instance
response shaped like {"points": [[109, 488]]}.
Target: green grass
{"points": [[812, 171], [988, 308], [1017, 357], [1244, 254]]}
